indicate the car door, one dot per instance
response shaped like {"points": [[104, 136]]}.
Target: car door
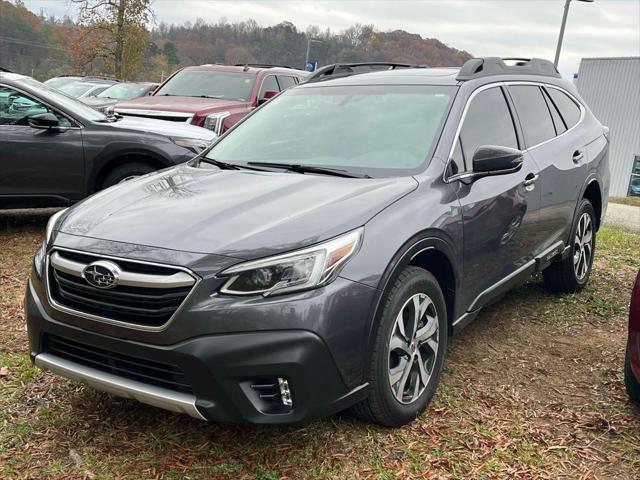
{"points": [[38, 163], [558, 149], [500, 213]]}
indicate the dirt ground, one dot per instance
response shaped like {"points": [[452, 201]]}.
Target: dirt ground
{"points": [[532, 389]]}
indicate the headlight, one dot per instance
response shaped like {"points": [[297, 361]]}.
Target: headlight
{"points": [[300, 270], [38, 259], [213, 122], [196, 145], [51, 224]]}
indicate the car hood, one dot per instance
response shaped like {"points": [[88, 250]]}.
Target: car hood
{"points": [[163, 127], [99, 101], [177, 104], [238, 213]]}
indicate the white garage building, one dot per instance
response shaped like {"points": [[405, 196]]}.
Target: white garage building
{"points": [[611, 88]]}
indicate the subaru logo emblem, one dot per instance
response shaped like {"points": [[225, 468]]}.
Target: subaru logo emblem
{"points": [[101, 274]]}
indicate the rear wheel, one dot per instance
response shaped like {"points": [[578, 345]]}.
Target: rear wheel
{"points": [[409, 350], [126, 172], [572, 274], [630, 381]]}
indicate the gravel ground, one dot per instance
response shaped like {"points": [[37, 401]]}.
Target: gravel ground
{"points": [[626, 216]]}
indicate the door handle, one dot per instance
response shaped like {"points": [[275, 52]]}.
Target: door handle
{"points": [[530, 179], [577, 156]]}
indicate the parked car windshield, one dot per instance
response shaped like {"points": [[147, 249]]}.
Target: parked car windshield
{"points": [[76, 89], [70, 104], [376, 130], [209, 84], [57, 82], [125, 91]]}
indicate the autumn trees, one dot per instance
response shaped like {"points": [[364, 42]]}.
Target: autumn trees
{"points": [[113, 33]]}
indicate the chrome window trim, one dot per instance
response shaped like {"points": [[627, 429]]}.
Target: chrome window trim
{"points": [[464, 174], [79, 125], [120, 323], [120, 386]]}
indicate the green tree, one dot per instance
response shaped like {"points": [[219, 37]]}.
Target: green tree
{"points": [[114, 31], [171, 52]]}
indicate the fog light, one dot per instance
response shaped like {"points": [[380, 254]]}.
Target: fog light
{"points": [[285, 393]]}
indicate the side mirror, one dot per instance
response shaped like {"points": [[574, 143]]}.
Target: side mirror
{"points": [[268, 95], [43, 121], [495, 160]]}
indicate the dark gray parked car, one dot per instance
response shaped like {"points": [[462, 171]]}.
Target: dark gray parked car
{"points": [[319, 255], [55, 150]]}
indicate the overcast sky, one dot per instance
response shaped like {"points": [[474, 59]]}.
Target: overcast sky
{"points": [[514, 28]]}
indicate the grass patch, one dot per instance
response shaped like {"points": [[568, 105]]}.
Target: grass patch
{"points": [[634, 201]]}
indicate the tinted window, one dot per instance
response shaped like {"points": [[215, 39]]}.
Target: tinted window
{"points": [[268, 84], [286, 82], [568, 108], [558, 122], [533, 113], [209, 84], [378, 130], [488, 122]]}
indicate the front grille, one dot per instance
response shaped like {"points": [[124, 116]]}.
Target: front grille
{"points": [[144, 303], [146, 371], [159, 116]]}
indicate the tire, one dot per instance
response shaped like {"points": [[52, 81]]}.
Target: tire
{"points": [[572, 274], [630, 381], [124, 172], [396, 357]]}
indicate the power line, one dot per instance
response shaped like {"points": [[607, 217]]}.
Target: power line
{"points": [[29, 43]]}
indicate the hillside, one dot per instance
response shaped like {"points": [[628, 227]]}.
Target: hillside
{"points": [[34, 44]]}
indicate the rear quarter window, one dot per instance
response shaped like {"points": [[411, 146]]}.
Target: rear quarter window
{"points": [[569, 110]]}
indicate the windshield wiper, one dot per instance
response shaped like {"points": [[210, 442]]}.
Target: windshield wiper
{"points": [[298, 168], [218, 163]]}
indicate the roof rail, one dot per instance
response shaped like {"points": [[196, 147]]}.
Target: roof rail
{"points": [[487, 66], [261, 65], [5, 70], [338, 70]]}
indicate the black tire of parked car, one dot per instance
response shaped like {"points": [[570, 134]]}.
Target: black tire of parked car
{"points": [[126, 171], [630, 381], [560, 276], [381, 405]]}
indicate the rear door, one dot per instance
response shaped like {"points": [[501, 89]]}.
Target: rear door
{"points": [[500, 213], [34, 163], [548, 117]]}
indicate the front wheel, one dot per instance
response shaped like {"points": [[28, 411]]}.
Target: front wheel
{"points": [[572, 274], [126, 172], [409, 350]]}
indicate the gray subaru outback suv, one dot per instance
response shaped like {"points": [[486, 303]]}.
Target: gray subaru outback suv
{"points": [[321, 253]]}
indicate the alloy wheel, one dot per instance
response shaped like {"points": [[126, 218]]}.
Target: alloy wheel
{"points": [[583, 246], [413, 348]]}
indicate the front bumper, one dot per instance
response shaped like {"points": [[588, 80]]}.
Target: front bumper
{"points": [[220, 369]]}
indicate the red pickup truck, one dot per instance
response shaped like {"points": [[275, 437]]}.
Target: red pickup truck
{"points": [[213, 96]]}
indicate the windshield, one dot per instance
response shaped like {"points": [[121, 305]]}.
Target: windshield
{"points": [[57, 82], [208, 84], [375, 130], [125, 91], [73, 106], [76, 89]]}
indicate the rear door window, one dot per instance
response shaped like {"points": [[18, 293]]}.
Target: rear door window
{"points": [[268, 84], [286, 82], [488, 122], [558, 122], [533, 113], [569, 110]]}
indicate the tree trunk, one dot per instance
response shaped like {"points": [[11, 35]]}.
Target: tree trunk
{"points": [[120, 38]]}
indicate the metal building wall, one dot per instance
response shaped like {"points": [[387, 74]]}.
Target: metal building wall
{"points": [[611, 88]]}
